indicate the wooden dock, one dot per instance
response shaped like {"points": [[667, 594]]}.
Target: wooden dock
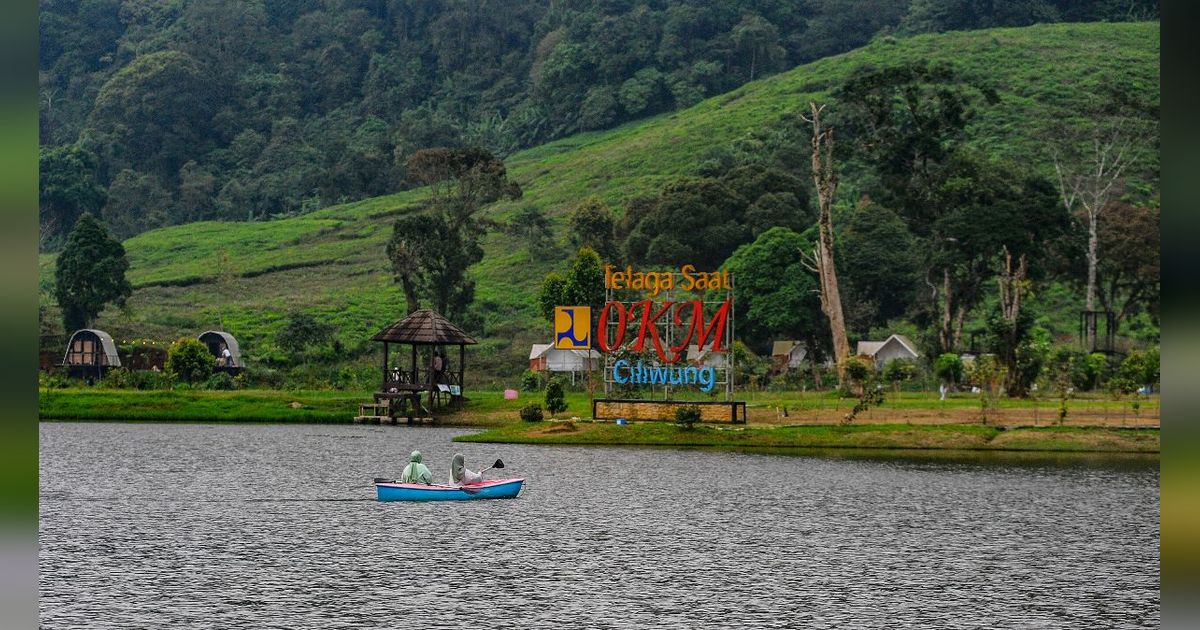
{"points": [[380, 413]]}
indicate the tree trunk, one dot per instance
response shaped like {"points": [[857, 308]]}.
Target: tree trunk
{"points": [[960, 316], [1011, 285], [1093, 259], [946, 338], [811, 344], [410, 294], [826, 182]]}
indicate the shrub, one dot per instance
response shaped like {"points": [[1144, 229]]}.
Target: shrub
{"points": [[1141, 368], [988, 374], [531, 381], [687, 416], [531, 412], [857, 370], [898, 370], [220, 381], [949, 368], [555, 402], [118, 378], [189, 360], [53, 380], [268, 378]]}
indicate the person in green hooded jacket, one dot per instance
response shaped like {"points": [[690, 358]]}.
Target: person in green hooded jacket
{"points": [[415, 471]]}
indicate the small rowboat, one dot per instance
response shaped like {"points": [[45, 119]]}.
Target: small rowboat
{"points": [[490, 489]]}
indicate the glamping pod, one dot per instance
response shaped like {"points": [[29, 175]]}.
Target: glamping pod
{"points": [[90, 353], [218, 343]]}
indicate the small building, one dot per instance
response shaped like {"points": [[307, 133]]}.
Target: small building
{"points": [[787, 355], [218, 342], [890, 349], [544, 357], [706, 357], [90, 353]]}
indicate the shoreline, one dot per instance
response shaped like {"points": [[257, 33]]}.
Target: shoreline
{"points": [[908, 425], [862, 437]]}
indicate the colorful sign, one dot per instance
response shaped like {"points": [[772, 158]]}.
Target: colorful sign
{"points": [[640, 374], [657, 320], [657, 281], [687, 316], [572, 327]]}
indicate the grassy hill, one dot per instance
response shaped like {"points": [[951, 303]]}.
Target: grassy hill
{"points": [[247, 276]]}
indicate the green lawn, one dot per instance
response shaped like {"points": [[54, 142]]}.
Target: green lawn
{"points": [[485, 406], [874, 436]]}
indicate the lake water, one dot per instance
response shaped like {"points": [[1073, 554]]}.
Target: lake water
{"points": [[245, 526]]}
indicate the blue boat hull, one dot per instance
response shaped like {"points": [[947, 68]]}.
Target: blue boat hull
{"points": [[493, 489]]}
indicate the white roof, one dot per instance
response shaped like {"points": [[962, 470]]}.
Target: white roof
{"points": [[780, 348], [869, 348], [538, 350]]}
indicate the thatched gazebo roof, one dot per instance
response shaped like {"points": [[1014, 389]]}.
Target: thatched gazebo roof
{"points": [[424, 327]]}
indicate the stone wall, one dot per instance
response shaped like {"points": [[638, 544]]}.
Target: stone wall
{"points": [[662, 410]]}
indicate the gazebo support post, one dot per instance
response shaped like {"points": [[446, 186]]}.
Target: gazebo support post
{"points": [[383, 388], [413, 374], [461, 361]]}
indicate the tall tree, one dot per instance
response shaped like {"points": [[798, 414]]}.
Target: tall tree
{"points": [[1127, 277], [986, 207], [907, 122], [777, 297], [591, 225], [89, 273], [461, 181], [825, 181], [531, 224], [879, 261], [432, 253], [582, 286], [1092, 155], [1013, 286], [407, 250]]}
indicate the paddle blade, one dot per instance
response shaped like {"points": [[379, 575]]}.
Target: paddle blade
{"points": [[382, 480], [498, 464]]}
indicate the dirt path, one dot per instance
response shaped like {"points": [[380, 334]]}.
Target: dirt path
{"points": [[1011, 418]]}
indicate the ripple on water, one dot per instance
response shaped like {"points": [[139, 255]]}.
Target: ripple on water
{"points": [[146, 525]]}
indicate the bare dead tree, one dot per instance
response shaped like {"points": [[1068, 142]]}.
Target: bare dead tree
{"points": [[1089, 172], [825, 180], [47, 228]]}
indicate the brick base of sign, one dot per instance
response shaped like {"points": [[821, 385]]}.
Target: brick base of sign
{"points": [[731, 411]]}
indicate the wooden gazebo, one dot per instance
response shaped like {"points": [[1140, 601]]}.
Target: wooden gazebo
{"points": [[401, 389]]}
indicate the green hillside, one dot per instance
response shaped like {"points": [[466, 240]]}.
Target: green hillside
{"points": [[247, 276]]}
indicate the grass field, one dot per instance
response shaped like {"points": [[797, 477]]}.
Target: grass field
{"points": [[858, 436], [246, 277], [489, 408]]}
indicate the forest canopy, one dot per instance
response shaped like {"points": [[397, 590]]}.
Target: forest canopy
{"points": [[159, 113]]}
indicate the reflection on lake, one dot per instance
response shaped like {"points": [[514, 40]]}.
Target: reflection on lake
{"points": [[224, 526]]}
